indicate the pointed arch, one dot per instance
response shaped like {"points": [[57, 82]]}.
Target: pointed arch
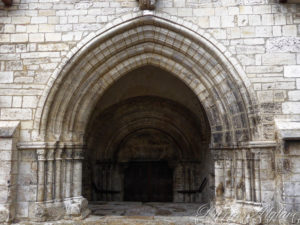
{"points": [[139, 39]]}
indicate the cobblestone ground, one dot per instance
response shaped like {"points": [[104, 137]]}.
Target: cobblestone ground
{"points": [[135, 213]]}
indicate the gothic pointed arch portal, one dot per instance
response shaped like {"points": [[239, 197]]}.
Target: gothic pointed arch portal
{"points": [[131, 42]]}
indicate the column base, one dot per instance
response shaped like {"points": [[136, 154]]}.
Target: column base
{"points": [[77, 207], [5, 213], [72, 208]]}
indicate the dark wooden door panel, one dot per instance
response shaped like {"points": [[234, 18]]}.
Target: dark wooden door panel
{"points": [[148, 182]]}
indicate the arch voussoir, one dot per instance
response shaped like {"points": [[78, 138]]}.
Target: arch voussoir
{"points": [[109, 54]]}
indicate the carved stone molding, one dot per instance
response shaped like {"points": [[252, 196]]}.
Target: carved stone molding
{"points": [[147, 4]]}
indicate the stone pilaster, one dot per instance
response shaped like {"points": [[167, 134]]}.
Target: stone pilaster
{"points": [[248, 175], [77, 172], [41, 157], [219, 176], [69, 173], [58, 175], [228, 176], [50, 174]]}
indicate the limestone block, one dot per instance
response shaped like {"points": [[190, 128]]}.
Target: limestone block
{"points": [[38, 19], [20, 20], [185, 12], [280, 19], [37, 55], [46, 28], [291, 107], [246, 60], [30, 101], [283, 44], [53, 36], [53, 47], [19, 38], [263, 31], [6, 77], [65, 27], [247, 32], [278, 59], [227, 21], [267, 19], [179, 3], [214, 21], [265, 96], [14, 65], [243, 20], [285, 85], [203, 12], [254, 20], [264, 69], [292, 71], [289, 30], [16, 114], [17, 101], [36, 38], [5, 101], [20, 28], [294, 95], [245, 49]]}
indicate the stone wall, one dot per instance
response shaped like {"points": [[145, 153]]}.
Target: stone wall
{"points": [[38, 37], [262, 35], [9, 135]]}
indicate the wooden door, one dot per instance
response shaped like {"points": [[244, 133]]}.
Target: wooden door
{"points": [[148, 182]]}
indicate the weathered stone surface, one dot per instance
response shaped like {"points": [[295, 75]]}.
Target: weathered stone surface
{"points": [[240, 59], [6, 77], [292, 71], [291, 107], [283, 44]]}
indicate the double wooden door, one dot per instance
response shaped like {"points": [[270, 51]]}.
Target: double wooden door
{"points": [[148, 182]]}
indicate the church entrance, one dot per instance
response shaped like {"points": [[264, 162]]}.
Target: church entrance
{"points": [[148, 142], [146, 90], [148, 182]]}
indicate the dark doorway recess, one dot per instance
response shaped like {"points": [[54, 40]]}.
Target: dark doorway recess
{"points": [[148, 182], [148, 141]]}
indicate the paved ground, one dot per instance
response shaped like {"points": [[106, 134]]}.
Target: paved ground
{"points": [[135, 213]]}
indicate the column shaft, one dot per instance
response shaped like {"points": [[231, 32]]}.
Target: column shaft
{"points": [[41, 156], [58, 184], [50, 175], [77, 172], [68, 181]]}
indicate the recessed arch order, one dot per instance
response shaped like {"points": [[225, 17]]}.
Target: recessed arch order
{"points": [[140, 39]]}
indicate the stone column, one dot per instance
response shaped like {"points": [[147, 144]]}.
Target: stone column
{"points": [[257, 177], [77, 172], [41, 156], [68, 180], [248, 168], [58, 160], [50, 175], [228, 177], [239, 176], [219, 176]]}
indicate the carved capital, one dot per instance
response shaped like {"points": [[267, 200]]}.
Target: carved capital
{"points": [[147, 4], [41, 154], [58, 154], [50, 154], [69, 154], [78, 153]]}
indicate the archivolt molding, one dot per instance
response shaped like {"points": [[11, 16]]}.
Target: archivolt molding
{"points": [[135, 40]]}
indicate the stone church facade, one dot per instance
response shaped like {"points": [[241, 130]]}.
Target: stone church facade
{"points": [[204, 94]]}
